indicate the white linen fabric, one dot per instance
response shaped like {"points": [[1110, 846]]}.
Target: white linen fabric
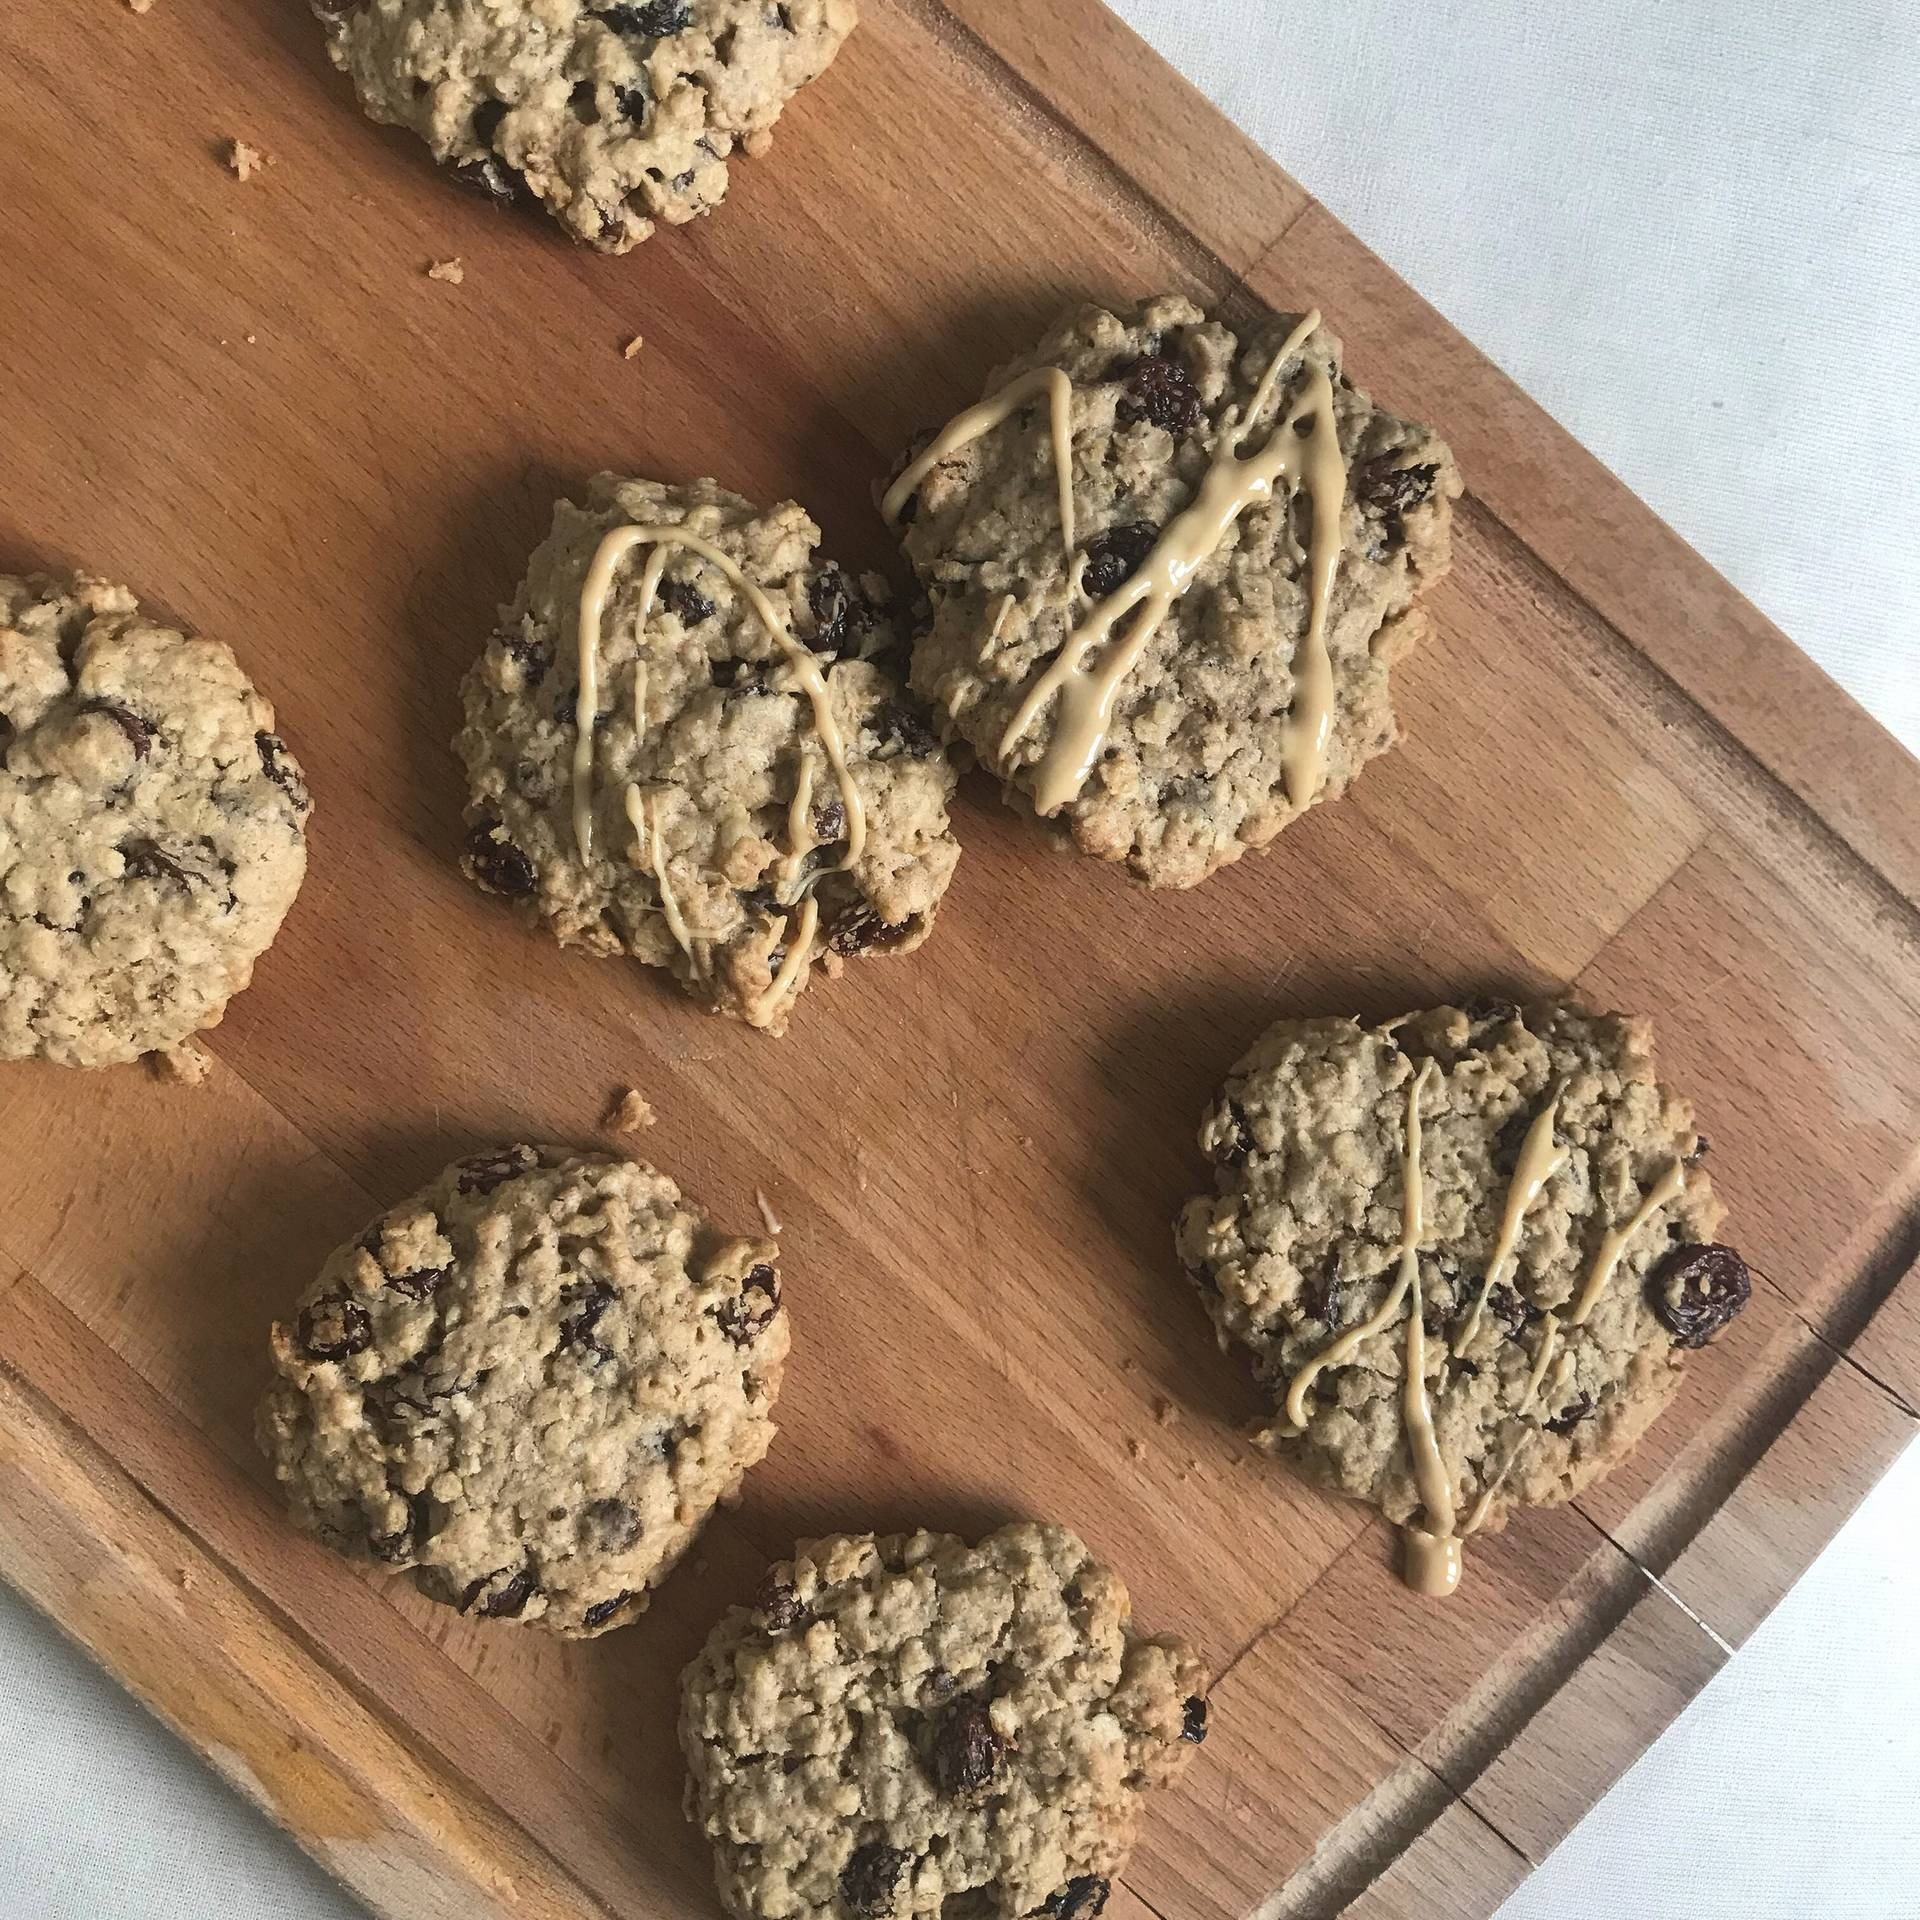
{"points": [[1693, 232]]}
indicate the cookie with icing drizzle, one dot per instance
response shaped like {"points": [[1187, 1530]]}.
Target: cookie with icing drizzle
{"points": [[528, 1385], [1468, 1251], [152, 826], [1170, 572], [689, 742], [613, 115], [912, 1725]]}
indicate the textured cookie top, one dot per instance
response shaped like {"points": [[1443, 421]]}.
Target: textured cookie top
{"points": [[151, 826], [733, 773], [903, 1722], [1210, 744], [611, 115], [1560, 1270], [529, 1383]]}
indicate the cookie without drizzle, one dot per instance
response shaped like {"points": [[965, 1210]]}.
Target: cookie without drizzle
{"points": [[1170, 571], [688, 742], [911, 1726], [611, 114], [152, 826], [529, 1384], [1468, 1251]]}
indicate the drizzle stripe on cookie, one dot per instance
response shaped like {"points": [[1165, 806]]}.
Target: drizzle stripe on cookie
{"points": [[1539, 1161], [1607, 1256], [613, 548]]}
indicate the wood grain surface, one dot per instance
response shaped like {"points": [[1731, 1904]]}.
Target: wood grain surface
{"points": [[248, 401]]}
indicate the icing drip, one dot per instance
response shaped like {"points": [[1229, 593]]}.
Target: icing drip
{"points": [[1607, 1256]]}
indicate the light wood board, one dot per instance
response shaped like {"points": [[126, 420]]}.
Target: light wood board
{"points": [[248, 402]]}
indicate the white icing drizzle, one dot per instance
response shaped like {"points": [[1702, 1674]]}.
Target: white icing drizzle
{"points": [[965, 428], [800, 838], [613, 548], [646, 824], [1232, 484], [1607, 1256], [1539, 1161], [799, 951]]}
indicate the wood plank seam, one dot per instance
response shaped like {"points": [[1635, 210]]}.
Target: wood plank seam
{"points": [[1169, 229], [1842, 855]]}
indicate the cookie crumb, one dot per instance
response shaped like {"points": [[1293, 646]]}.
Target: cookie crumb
{"points": [[632, 348], [1163, 1411], [244, 161], [628, 1112], [140, 6], [453, 271], [770, 1219], [757, 142], [1138, 1449], [185, 1065]]}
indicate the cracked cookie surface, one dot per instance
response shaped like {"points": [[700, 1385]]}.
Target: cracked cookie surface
{"points": [[1197, 762], [152, 826], [719, 826], [613, 115], [529, 1384], [1548, 1153], [908, 1725]]}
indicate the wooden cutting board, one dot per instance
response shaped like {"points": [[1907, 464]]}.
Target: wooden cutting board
{"points": [[248, 401]]}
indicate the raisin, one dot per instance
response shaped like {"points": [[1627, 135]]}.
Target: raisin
{"points": [[580, 1329], [902, 730], [1571, 1415], [8, 734], [145, 861], [1324, 1300], [1160, 392], [779, 1605], [1512, 1309], [139, 733], [1696, 1290], [840, 611], [728, 674], [602, 1611], [421, 1284], [486, 120], [635, 103], [861, 930], [485, 1171], [784, 15], [1080, 1899], [497, 864], [406, 1539], [1702, 1146], [335, 1328], [1511, 1137], [1193, 1719], [1386, 488], [278, 765], [501, 1595], [1115, 556], [830, 821], [868, 1880], [616, 1526], [684, 599], [493, 178], [744, 1320], [967, 1748], [533, 652], [585, 102], [654, 21]]}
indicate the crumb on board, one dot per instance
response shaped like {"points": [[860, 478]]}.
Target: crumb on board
{"points": [[757, 142], [769, 1219], [183, 1066], [244, 161], [140, 6], [631, 350], [1138, 1449], [1163, 1411], [453, 271], [628, 1112]]}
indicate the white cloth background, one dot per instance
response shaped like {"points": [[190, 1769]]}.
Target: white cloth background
{"points": [[1692, 231]]}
